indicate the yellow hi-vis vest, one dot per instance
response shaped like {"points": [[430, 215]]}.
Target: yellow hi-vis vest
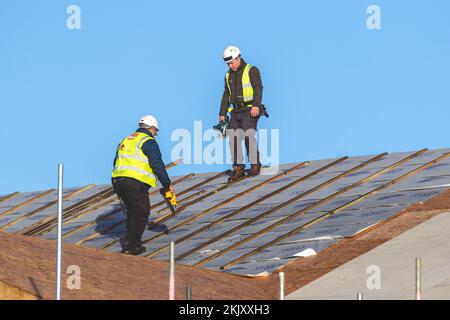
{"points": [[247, 89], [131, 161]]}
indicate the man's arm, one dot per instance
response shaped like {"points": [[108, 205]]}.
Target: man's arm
{"points": [[255, 80], [225, 103], [153, 153]]}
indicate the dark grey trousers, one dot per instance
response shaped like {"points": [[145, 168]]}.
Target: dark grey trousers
{"points": [[134, 195], [243, 127]]}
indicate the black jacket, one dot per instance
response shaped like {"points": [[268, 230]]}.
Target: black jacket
{"points": [[151, 149], [236, 89]]}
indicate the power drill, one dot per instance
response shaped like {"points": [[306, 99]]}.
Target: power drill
{"points": [[170, 198], [222, 126], [263, 111]]}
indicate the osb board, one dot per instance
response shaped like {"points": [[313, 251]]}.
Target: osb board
{"points": [[9, 292], [29, 264]]}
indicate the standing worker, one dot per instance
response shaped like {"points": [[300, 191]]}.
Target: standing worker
{"points": [[137, 163], [243, 90]]}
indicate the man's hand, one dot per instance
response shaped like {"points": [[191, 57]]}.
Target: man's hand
{"points": [[254, 112], [221, 118], [171, 189]]}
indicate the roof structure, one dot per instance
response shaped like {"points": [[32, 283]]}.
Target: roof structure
{"points": [[27, 271], [396, 258], [251, 227]]}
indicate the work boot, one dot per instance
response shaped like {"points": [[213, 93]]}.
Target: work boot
{"points": [[255, 169], [133, 249], [136, 251], [238, 173]]}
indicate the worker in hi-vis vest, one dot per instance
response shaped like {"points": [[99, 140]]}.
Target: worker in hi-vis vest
{"points": [[242, 98], [137, 165]]}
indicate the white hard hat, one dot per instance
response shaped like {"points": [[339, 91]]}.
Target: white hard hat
{"points": [[149, 120], [230, 53]]}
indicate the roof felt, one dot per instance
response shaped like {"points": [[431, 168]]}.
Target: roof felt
{"points": [[250, 227]]}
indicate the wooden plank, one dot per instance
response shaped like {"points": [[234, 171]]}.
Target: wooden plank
{"points": [[48, 205], [334, 211], [9, 196], [308, 208], [27, 202], [220, 174], [236, 212]]}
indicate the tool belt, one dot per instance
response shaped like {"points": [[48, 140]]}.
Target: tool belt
{"points": [[240, 106]]}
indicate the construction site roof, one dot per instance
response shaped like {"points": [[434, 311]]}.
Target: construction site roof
{"points": [[253, 227]]}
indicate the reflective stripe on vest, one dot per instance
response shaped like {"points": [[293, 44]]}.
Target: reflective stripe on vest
{"points": [[131, 161], [247, 89]]}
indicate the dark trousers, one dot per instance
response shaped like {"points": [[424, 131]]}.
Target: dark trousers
{"points": [[134, 196], [248, 125]]}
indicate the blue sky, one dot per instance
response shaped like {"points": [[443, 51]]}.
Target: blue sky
{"points": [[332, 86]]}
